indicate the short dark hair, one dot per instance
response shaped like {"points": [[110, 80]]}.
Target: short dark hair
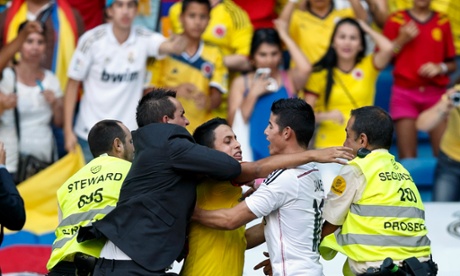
{"points": [[154, 105], [186, 3], [376, 123], [298, 115], [204, 134], [102, 135]]}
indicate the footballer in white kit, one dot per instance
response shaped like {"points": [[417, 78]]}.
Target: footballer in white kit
{"points": [[112, 74], [291, 203], [110, 62]]}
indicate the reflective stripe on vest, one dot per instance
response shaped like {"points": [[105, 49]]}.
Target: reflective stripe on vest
{"points": [[381, 240], [387, 211], [77, 218]]}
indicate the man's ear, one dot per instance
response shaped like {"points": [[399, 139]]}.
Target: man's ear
{"points": [[117, 146], [287, 133], [363, 141], [165, 119]]}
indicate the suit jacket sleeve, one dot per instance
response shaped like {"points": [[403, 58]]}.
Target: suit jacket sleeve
{"points": [[190, 157], [12, 212]]}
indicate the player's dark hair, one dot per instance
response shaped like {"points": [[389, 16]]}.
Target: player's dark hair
{"points": [[298, 115], [154, 105], [204, 134]]}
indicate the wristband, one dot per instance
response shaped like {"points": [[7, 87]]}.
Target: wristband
{"points": [[444, 68], [294, 1]]}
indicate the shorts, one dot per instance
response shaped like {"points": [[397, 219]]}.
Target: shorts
{"points": [[410, 102]]}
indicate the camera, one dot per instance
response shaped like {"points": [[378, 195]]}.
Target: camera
{"points": [[455, 98]]}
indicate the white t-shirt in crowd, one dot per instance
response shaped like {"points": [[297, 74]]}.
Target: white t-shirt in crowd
{"points": [[112, 74], [35, 115], [291, 201]]}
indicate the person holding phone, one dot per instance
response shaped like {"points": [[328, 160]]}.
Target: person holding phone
{"points": [[252, 95]]}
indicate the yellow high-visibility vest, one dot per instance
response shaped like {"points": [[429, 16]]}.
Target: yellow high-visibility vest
{"points": [[87, 196], [388, 220]]}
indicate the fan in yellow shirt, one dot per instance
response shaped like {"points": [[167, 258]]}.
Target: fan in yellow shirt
{"points": [[212, 251], [345, 79], [229, 28], [198, 74], [350, 90], [311, 28]]}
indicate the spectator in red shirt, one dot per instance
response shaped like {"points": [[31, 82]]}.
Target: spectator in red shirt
{"points": [[424, 55]]}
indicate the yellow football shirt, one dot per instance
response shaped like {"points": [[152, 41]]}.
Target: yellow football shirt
{"points": [[229, 27], [215, 252], [313, 34], [205, 69], [350, 90], [450, 144]]}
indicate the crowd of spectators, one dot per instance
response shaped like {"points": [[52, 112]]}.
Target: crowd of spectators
{"points": [[336, 50], [230, 59]]}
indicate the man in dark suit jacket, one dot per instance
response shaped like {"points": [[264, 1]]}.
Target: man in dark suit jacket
{"points": [[146, 232], [12, 212]]}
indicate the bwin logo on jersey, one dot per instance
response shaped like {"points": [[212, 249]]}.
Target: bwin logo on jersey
{"points": [[106, 77]]}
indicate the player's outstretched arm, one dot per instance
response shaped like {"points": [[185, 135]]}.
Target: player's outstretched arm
{"points": [[263, 167]]}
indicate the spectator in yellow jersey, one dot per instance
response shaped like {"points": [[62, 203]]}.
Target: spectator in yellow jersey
{"points": [[229, 28], [314, 17], [344, 79], [198, 74]]}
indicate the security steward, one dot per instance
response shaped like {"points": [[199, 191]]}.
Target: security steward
{"points": [[89, 195], [374, 213]]}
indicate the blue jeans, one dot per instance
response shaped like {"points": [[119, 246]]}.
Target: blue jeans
{"points": [[447, 179], [85, 148]]}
